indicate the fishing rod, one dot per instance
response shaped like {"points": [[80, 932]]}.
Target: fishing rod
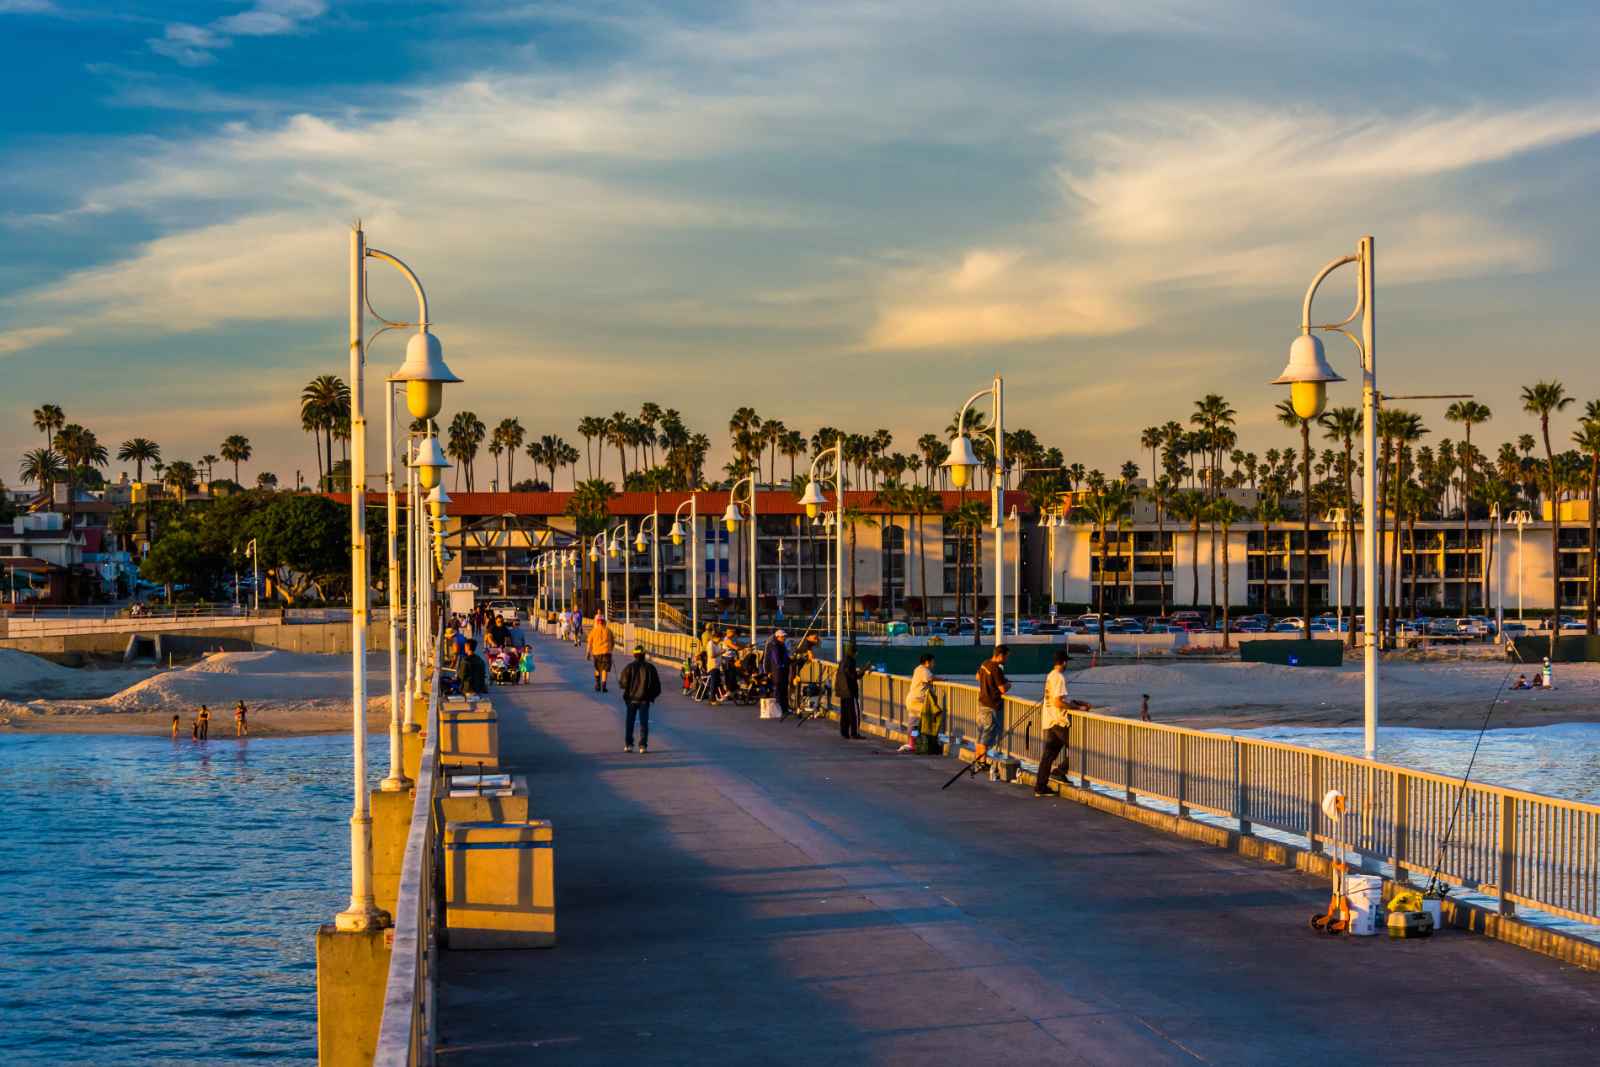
{"points": [[971, 769]]}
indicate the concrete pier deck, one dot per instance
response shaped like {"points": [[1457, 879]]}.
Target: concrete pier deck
{"points": [[758, 892]]}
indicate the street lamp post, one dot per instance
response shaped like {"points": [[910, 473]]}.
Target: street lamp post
{"points": [[255, 576], [619, 547], [814, 502], [677, 539], [961, 462], [1016, 574], [731, 518], [1499, 574], [598, 546], [654, 519], [1335, 518], [1307, 376]]}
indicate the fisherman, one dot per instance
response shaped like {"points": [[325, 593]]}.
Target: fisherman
{"points": [[241, 720], [993, 685], [847, 687], [1056, 721], [920, 707], [775, 661], [640, 685], [601, 642]]}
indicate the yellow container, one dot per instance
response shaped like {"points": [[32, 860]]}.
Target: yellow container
{"points": [[503, 798], [499, 885], [469, 736]]}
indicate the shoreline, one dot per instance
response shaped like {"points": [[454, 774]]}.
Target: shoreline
{"points": [[267, 720]]}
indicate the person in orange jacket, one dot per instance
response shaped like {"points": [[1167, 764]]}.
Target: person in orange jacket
{"points": [[600, 645]]}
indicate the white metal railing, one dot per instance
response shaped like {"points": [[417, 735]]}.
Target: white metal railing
{"points": [[406, 1033], [1522, 848]]}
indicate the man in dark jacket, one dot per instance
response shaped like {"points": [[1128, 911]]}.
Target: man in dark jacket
{"points": [[640, 685], [776, 665], [847, 687], [471, 671]]}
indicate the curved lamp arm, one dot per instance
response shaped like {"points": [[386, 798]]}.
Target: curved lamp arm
{"points": [[416, 285]]}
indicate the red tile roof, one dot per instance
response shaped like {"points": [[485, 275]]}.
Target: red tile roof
{"points": [[768, 502]]}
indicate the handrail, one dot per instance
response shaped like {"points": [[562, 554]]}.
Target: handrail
{"points": [[1515, 845], [405, 1032]]}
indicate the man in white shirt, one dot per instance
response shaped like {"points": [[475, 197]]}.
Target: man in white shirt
{"points": [[921, 709], [1056, 720]]}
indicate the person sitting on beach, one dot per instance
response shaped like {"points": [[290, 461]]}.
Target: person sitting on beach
{"points": [[241, 720], [1523, 683]]}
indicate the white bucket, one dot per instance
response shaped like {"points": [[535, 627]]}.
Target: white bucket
{"points": [[770, 709], [1434, 908], [1366, 904]]}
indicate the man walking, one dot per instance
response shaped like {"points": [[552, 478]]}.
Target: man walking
{"points": [[993, 685], [600, 645], [847, 687], [776, 665], [1056, 721], [641, 685]]}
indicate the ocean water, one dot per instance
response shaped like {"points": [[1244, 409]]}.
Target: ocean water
{"points": [[1561, 760], [160, 898]]}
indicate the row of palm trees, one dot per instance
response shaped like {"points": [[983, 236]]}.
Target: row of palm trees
{"points": [[73, 455]]}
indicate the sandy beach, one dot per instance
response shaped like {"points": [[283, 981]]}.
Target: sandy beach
{"points": [[286, 693], [1448, 694]]}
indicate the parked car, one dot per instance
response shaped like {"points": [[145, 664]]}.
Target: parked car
{"points": [[1444, 628], [1249, 626], [1129, 625], [1512, 628], [1047, 628], [506, 610]]}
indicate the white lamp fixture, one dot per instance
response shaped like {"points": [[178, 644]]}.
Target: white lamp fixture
{"points": [[813, 499], [425, 375], [1307, 376], [961, 461], [430, 461], [731, 517], [677, 533]]}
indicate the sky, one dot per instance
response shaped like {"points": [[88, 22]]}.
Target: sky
{"points": [[849, 214]]}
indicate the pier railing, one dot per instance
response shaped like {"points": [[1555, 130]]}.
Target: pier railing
{"points": [[407, 1030], [1519, 847]]}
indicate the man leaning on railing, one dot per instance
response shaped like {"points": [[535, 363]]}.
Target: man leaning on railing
{"points": [[1056, 720]]}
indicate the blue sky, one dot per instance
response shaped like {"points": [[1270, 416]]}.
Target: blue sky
{"points": [[845, 214]]}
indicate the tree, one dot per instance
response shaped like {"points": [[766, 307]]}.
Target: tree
{"points": [[1468, 413], [463, 440], [1104, 508], [1544, 399], [591, 427], [512, 435], [1186, 505], [42, 467], [589, 505], [266, 480], [324, 404], [210, 462], [303, 539], [179, 477], [47, 419], [80, 451], [1226, 512], [235, 449], [139, 451]]}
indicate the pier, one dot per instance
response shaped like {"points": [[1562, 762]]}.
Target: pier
{"points": [[756, 891]]}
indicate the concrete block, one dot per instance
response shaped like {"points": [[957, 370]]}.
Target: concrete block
{"points": [[391, 823], [500, 885], [469, 736], [411, 752], [352, 970], [464, 801]]}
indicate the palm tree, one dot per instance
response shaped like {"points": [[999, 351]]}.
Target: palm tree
{"points": [[47, 419], [266, 480], [743, 427], [179, 476], [497, 448], [324, 403], [569, 458], [589, 506], [1468, 413], [920, 500], [139, 451], [1153, 438], [793, 445], [79, 450], [1341, 425], [552, 453], [1104, 508], [591, 427], [42, 467], [465, 437], [1587, 438], [1214, 418], [851, 516], [235, 448], [1406, 430], [1186, 505], [1545, 399], [210, 462], [1226, 512], [619, 435]]}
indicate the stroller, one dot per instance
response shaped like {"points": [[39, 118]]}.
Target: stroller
{"points": [[503, 671]]}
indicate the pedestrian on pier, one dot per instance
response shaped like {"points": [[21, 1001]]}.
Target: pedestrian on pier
{"points": [[993, 685], [241, 720], [601, 642], [205, 722], [640, 685], [775, 661], [1056, 720], [921, 709]]}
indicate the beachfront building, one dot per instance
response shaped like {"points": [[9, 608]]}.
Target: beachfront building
{"points": [[902, 563]]}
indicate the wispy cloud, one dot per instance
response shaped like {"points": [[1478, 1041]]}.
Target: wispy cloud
{"points": [[193, 45], [29, 337]]}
